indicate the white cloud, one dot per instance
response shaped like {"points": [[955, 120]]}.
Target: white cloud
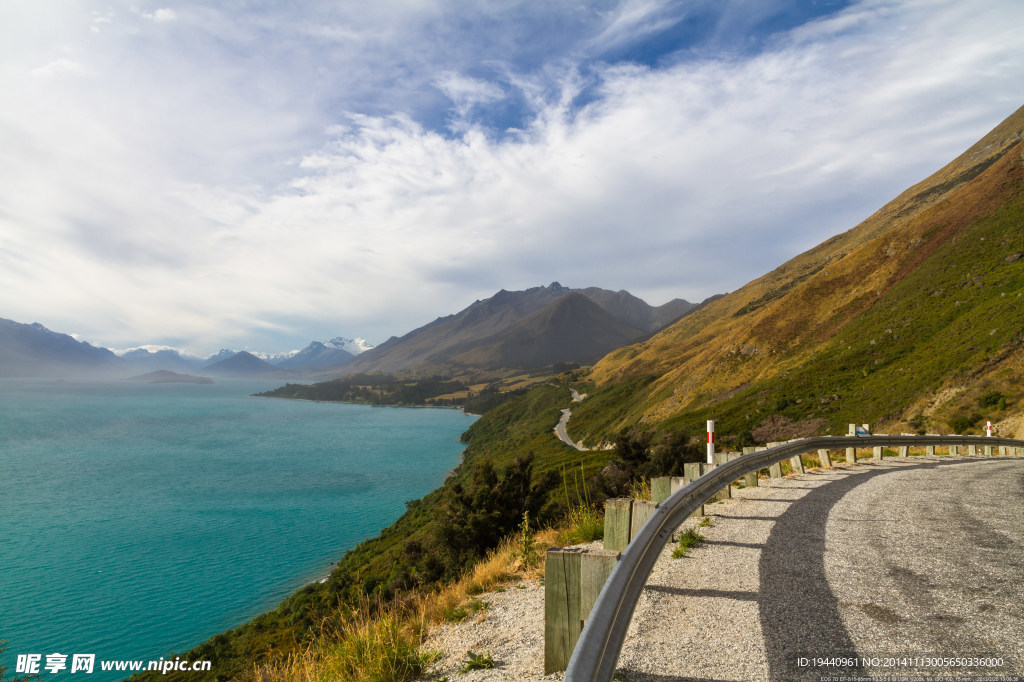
{"points": [[466, 93], [634, 19], [189, 193], [58, 67]]}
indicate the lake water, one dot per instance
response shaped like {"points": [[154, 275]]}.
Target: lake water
{"points": [[140, 519]]}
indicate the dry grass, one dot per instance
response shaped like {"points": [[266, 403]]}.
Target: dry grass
{"points": [[379, 642], [374, 643]]}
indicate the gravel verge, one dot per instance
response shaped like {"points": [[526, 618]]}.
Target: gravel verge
{"points": [[756, 593]]}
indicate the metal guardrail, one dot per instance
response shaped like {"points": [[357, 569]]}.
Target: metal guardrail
{"points": [[597, 650]]}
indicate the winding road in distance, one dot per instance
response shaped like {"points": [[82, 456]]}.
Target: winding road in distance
{"points": [[560, 428]]}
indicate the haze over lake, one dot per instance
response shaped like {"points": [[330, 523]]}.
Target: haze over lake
{"points": [[137, 519]]}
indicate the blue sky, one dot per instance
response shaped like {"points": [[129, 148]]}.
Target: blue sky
{"points": [[261, 174]]}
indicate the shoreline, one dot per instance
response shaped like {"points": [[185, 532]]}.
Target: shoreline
{"points": [[351, 402]]}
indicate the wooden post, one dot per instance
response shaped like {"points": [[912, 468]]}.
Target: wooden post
{"points": [[851, 453], [722, 458], [775, 470], [972, 450], [692, 470], [725, 493], [680, 482], [1002, 451], [797, 464], [904, 450], [824, 459], [573, 579], [661, 488], [642, 510], [954, 449], [988, 450], [877, 454], [618, 515], [750, 479], [562, 618], [595, 567]]}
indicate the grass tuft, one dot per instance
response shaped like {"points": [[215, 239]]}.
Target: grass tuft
{"points": [[691, 538], [482, 661]]}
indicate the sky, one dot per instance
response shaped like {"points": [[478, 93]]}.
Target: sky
{"points": [[258, 175]]}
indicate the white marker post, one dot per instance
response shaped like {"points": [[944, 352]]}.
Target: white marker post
{"points": [[711, 441], [988, 429]]}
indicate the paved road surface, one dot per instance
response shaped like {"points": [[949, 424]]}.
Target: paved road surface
{"points": [[921, 557], [562, 434]]}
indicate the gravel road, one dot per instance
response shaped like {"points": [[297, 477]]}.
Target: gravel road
{"points": [[904, 559]]}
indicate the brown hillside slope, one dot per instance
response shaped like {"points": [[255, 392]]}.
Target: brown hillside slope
{"points": [[780, 321]]}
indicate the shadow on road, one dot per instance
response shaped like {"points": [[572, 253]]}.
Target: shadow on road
{"points": [[799, 613]]}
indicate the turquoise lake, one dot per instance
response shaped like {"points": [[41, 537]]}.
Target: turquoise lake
{"points": [[140, 519]]}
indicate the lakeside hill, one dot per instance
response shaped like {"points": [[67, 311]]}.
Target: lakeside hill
{"points": [[913, 318], [523, 330], [163, 376]]}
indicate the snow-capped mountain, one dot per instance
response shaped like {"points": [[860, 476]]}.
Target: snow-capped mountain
{"points": [[354, 346]]}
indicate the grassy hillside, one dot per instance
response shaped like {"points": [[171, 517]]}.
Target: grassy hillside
{"points": [[919, 302]]}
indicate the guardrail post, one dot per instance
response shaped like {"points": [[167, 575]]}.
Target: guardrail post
{"points": [[851, 453], [877, 454], [562, 618], [595, 567], [904, 450], [661, 488], [573, 579], [680, 482], [972, 450], [725, 493], [797, 464], [618, 516], [750, 480], [954, 449], [775, 470], [930, 449], [642, 510], [824, 459], [725, 458], [988, 450]]}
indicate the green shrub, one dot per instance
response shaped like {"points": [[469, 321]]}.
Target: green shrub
{"points": [[960, 423], [992, 399]]}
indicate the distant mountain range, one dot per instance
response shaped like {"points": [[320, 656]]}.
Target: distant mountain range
{"points": [[510, 330], [31, 350]]}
